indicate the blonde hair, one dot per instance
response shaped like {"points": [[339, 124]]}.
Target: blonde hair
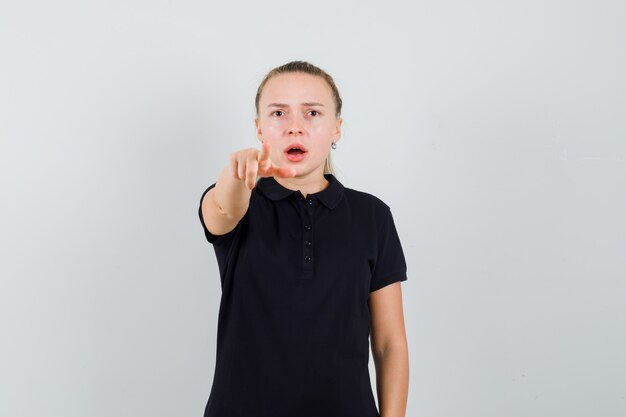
{"points": [[307, 68]]}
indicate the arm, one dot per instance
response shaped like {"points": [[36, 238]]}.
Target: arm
{"points": [[226, 203], [389, 350]]}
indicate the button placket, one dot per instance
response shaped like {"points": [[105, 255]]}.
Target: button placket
{"points": [[307, 259]]}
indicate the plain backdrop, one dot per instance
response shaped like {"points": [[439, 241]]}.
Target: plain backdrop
{"points": [[495, 131]]}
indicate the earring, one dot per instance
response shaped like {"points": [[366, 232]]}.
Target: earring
{"points": [[333, 145]]}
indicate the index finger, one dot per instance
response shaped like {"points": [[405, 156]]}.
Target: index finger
{"points": [[264, 155]]}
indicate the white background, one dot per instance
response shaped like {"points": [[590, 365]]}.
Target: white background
{"points": [[495, 130]]}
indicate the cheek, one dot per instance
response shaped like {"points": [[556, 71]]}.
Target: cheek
{"points": [[321, 129], [273, 129]]}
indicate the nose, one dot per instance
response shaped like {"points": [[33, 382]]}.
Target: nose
{"points": [[295, 127]]}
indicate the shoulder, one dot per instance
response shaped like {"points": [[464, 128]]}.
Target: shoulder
{"points": [[364, 201]]}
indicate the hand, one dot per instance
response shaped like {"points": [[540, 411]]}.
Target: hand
{"points": [[247, 164]]}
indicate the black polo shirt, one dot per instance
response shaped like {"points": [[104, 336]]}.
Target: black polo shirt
{"points": [[294, 319]]}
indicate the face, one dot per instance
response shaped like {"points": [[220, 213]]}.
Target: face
{"points": [[298, 108]]}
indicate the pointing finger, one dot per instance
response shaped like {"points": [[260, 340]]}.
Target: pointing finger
{"points": [[264, 154]]}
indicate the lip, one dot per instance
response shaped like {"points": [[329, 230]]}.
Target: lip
{"points": [[295, 145], [295, 157]]}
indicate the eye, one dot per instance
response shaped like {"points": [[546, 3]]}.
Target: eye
{"points": [[277, 111], [314, 111]]}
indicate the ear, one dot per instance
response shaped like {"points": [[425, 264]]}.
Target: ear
{"points": [[338, 129]]}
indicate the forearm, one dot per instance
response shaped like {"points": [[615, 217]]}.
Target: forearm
{"points": [[392, 381], [231, 194]]}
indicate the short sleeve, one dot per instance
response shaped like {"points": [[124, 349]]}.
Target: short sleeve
{"points": [[216, 240], [390, 265]]}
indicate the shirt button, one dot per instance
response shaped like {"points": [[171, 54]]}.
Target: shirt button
{"points": [[307, 227], [308, 243], [310, 201], [307, 258]]}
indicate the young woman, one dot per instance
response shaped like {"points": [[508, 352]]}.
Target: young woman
{"points": [[308, 268]]}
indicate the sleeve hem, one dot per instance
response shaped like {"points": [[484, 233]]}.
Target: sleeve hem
{"points": [[389, 279]]}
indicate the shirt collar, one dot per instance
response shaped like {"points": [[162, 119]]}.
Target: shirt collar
{"points": [[329, 196]]}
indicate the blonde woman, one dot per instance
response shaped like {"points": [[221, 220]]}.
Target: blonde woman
{"points": [[309, 268]]}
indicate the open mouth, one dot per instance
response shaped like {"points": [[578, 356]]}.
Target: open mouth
{"points": [[295, 148], [295, 152]]}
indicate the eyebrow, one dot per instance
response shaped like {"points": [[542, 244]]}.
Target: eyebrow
{"points": [[303, 104]]}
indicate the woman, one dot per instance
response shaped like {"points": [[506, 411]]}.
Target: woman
{"points": [[308, 268]]}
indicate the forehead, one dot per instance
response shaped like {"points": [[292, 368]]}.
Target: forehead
{"points": [[296, 88]]}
